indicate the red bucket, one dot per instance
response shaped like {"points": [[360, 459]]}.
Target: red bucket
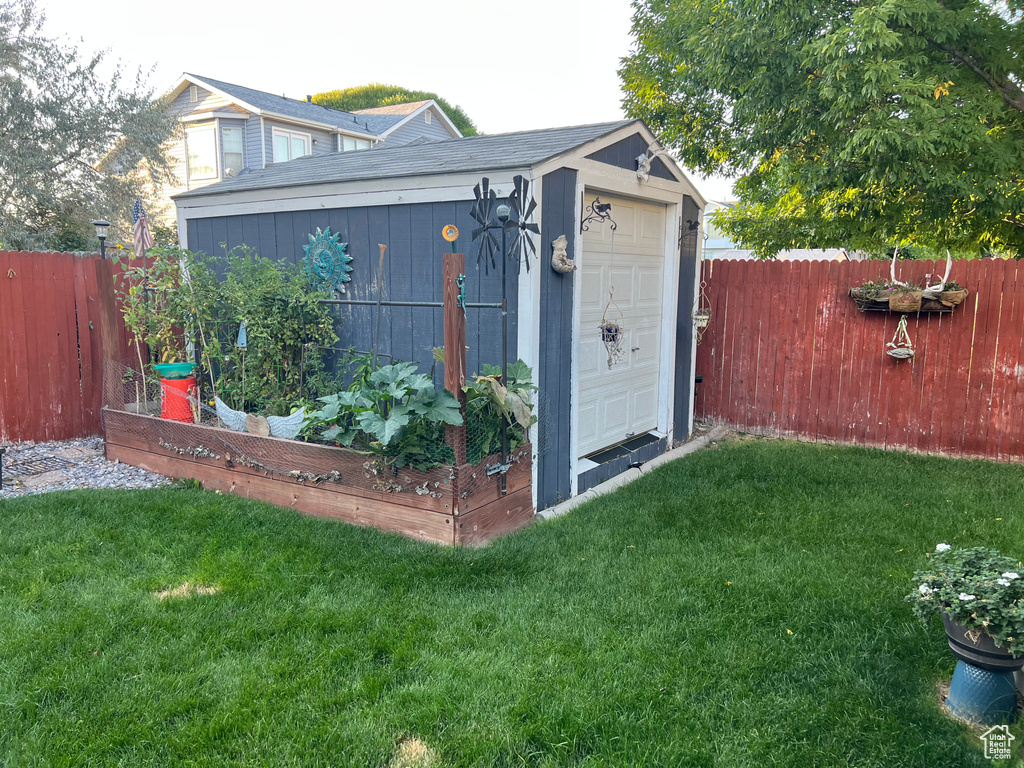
{"points": [[177, 396]]}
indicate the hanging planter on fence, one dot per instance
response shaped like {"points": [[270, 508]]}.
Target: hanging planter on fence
{"points": [[905, 301], [901, 347]]}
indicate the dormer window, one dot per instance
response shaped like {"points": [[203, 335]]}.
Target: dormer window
{"points": [[289, 145], [193, 93]]}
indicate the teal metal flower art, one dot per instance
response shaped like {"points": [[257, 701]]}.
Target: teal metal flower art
{"points": [[326, 262]]}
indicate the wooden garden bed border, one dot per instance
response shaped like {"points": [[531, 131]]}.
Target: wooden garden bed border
{"points": [[482, 514]]}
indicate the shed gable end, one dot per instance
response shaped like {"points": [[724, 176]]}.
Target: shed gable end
{"points": [[623, 154]]}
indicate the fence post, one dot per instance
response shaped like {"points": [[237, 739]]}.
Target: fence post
{"points": [[455, 347]]}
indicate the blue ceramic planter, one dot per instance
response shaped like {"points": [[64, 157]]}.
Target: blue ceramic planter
{"points": [[981, 696]]}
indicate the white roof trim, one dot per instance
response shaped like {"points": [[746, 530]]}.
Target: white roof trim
{"points": [[195, 117], [437, 107], [386, 191]]}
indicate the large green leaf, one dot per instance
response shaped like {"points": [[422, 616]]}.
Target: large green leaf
{"points": [[384, 429], [392, 374], [437, 406]]}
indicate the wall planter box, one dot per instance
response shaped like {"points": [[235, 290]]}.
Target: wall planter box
{"points": [[448, 505], [945, 305]]}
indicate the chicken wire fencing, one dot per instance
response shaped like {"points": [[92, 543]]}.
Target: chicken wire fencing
{"points": [[423, 457]]}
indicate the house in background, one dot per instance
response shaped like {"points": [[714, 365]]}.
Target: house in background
{"points": [[229, 130], [718, 245]]}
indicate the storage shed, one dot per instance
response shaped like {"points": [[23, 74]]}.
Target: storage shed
{"points": [[638, 263]]}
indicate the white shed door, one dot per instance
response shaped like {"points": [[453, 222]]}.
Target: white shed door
{"points": [[621, 401]]}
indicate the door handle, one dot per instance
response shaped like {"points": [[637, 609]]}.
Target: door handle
{"points": [[636, 349]]}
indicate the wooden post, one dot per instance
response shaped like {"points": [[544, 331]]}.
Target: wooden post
{"points": [[455, 348]]}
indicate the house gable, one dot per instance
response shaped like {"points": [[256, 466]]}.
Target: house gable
{"points": [[623, 154]]}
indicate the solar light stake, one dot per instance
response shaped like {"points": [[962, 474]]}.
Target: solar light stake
{"points": [[101, 233]]}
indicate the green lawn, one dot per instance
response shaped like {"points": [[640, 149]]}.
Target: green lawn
{"points": [[740, 607]]}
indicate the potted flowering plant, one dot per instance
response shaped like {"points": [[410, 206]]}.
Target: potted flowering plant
{"points": [[980, 596]]}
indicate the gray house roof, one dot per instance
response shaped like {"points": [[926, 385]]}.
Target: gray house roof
{"points": [[304, 110], [471, 153]]}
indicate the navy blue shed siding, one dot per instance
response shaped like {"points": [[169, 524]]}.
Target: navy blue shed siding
{"points": [[558, 217], [412, 272], [688, 266], [623, 154]]}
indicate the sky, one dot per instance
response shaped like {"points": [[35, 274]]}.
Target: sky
{"points": [[517, 66]]}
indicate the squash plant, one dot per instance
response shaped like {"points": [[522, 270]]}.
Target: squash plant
{"points": [[489, 401], [396, 413]]}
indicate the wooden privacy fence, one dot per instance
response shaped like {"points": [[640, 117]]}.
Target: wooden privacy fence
{"points": [[58, 322], [787, 353]]}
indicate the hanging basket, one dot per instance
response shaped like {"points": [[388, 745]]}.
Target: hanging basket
{"points": [[905, 301], [901, 347], [611, 327]]}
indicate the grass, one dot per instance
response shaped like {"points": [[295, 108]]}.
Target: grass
{"points": [[742, 607]]}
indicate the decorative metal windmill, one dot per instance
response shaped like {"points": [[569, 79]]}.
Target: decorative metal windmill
{"points": [[512, 219], [483, 213], [523, 205]]}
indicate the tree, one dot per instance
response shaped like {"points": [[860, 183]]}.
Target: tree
{"points": [[850, 122], [377, 95], [74, 145]]}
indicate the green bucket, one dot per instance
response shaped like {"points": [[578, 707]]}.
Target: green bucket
{"points": [[174, 370]]}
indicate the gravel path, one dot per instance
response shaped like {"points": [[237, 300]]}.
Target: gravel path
{"points": [[67, 465]]}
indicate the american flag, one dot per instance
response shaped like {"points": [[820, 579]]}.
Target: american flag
{"points": [[143, 238]]}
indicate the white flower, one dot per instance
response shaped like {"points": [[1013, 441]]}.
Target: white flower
{"points": [[1011, 575], [942, 547], [967, 598], [925, 590], [1003, 582]]}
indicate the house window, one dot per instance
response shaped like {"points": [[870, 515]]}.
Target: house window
{"points": [[231, 141], [351, 143], [193, 93], [289, 145], [426, 117], [202, 152]]}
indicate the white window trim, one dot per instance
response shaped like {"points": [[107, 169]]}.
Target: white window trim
{"points": [[215, 127], [355, 139], [242, 128], [275, 131]]}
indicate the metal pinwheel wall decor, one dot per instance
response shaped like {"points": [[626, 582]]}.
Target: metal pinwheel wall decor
{"points": [[513, 220], [483, 213], [326, 262], [523, 206]]}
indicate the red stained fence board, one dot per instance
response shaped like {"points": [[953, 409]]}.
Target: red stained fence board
{"points": [[787, 353], [58, 322]]}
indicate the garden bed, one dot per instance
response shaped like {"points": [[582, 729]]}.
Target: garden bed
{"points": [[449, 504]]}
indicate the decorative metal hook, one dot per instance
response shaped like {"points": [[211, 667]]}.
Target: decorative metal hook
{"points": [[597, 213]]}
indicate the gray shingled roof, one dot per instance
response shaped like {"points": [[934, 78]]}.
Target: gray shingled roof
{"points": [[303, 110], [470, 153]]}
